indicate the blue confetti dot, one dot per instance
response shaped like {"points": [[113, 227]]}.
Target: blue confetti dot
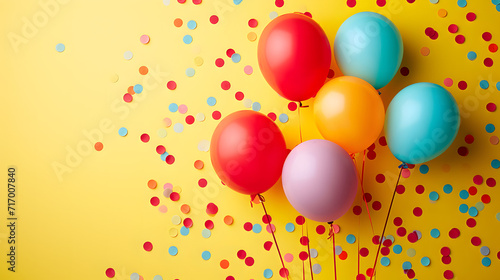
{"points": [[433, 196], [256, 106], [435, 233], [184, 231], [134, 276], [495, 2], [407, 265], [173, 250], [473, 211], [190, 72], [138, 88], [462, 3], [425, 261], [350, 239], [424, 169], [283, 118], [290, 227], [498, 85], [211, 101], [178, 127], [237, 2], [447, 188], [385, 261], [484, 84], [206, 233], [187, 39], [397, 249], [157, 277], [268, 273], [60, 47], [464, 194], [486, 261], [490, 128], [463, 208], [191, 24], [498, 7], [206, 255], [122, 131], [495, 163], [164, 156], [471, 55], [236, 57], [257, 228], [173, 107]]}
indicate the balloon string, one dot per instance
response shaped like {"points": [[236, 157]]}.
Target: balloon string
{"points": [[303, 262], [300, 125], [272, 232], [309, 253], [363, 191], [359, 240], [332, 235], [387, 219]]}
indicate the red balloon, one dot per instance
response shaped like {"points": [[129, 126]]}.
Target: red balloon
{"points": [[248, 152], [294, 56]]}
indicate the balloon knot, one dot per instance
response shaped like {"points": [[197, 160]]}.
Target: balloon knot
{"points": [[403, 165]]}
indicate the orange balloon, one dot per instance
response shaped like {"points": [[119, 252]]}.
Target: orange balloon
{"points": [[349, 112]]}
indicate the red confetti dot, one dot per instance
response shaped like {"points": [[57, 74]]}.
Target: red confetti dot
{"points": [[170, 159], [381, 3], [445, 251], [448, 274], [171, 85], [419, 189], [486, 36], [214, 19], [412, 237], [145, 138], [284, 272], [472, 190], [188, 222], [248, 226], [241, 254], [462, 85], [491, 182], [471, 16], [266, 219], [272, 116], [446, 259], [343, 255], [360, 277], [330, 74], [110, 272], [249, 261], [453, 28], [387, 243], [454, 233], [376, 239], [382, 141], [469, 139], [175, 196], [292, 106], [209, 224], [189, 119], [357, 210], [253, 23], [202, 182], [225, 85], [493, 48], [488, 62], [212, 209], [160, 149], [404, 71], [239, 95], [398, 221], [369, 271], [367, 197], [148, 246], [380, 178], [376, 205], [410, 273], [351, 3], [460, 39], [371, 155], [385, 251], [279, 3], [304, 240], [476, 241], [320, 229], [127, 97], [478, 179], [181, 1], [372, 147], [300, 220], [486, 198], [401, 231], [154, 201], [491, 107], [303, 255], [400, 189], [219, 62], [463, 151], [364, 252], [230, 52], [197, 2], [216, 115], [267, 245], [429, 31], [471, 222]]}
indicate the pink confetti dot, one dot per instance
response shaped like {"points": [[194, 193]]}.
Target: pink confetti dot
{"points": [[253, 23], [148, 246], [486, 36], [214, 19], [171, 85], [448, 82], [405, 173], [145, 137], [270, 228], [471, 16], [351, 3], [460, 39], [110, 272], [248, 70], [183, 109], [478, 179], [219, 62], [144, 39], [453, 28]]}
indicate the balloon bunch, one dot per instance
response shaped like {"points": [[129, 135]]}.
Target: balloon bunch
{"points": [[320, 179]]}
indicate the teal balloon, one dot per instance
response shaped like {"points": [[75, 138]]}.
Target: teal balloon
{"points": [[369, 46], [421, 122]]}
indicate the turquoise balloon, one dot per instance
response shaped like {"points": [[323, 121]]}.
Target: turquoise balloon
{"points": [[369, 46], [421, 122]]}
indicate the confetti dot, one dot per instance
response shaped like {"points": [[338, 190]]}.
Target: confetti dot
{"points": [[486, 36], [407, 265], [490, 128], [290, 227], [350, 239], [448, 82], [460, 39], [60, 47], [128, 55], [442, 13], [495, 163], [493, 48], [471, 55], [204, 145], [485, 251], [425, 51], [257, 228], [283, 118], [228, 220], [256, 106], [211, 101], [463, 208], [411, 252], [434, 196], [476, 241], [454, 233], [216, 115], [491, 107], [268, 273], [473, 211], [470, 16], [462, 3], [173, 250], [248, 70], [385, 261], [488, 62], [448, 274], [486, 261], [110, 272], [148, 246], [447, 189], [435, 233], [236, 58], [249, 261], [190, 72], [184, 231], [464, 194], [178, 127]]}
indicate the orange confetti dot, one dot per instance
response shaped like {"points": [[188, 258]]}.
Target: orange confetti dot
{"points": [[130, 90], [98, 146], [343, 255], [494, 140], [199, 164], [251, 36], [152, 184], [185, 208], [425, 51], [228, 220], [442, 13], [224, 264], [178, 22], [143, 70]]}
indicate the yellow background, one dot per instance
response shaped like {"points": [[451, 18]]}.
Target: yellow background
{"points": [[97, 215]]}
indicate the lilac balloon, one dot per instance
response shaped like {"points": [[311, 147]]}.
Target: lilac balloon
{"points": [[320, 180]]}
